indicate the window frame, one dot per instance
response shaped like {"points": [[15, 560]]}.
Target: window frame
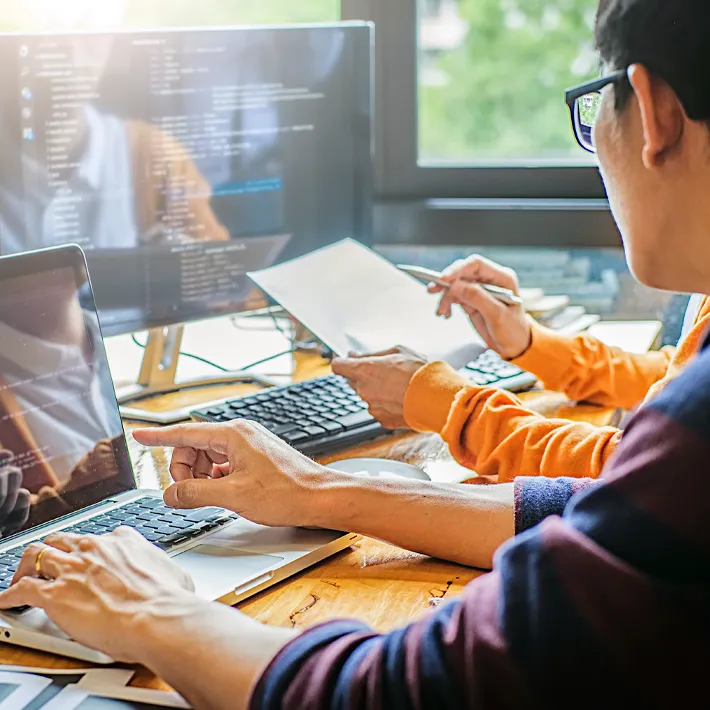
{"points": [[536, 205], [400, 175]]}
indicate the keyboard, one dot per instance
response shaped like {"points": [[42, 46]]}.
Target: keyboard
{"points": [[164, 527], [315, 417], [490, 370]]}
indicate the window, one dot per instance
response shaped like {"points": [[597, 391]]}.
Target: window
{"points": [[491, 76], [86, 14]]}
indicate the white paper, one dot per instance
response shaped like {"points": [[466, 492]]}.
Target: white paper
{"points": [[631, 336], [354, 300]]}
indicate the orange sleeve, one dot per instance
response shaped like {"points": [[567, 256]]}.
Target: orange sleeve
{"points": [[490, 432], [587, 370]]}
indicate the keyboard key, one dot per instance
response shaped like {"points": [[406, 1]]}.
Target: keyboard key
{"points": [[331, 427], [293, 437], [197, 516], [355, 420], [509, 371], [166, 530], [101, 522], [154, 524], [178, 512], [120, 515], [181, 524], [91, 530], [314, 431], [281, 429], [340, 412], [142, 529]]}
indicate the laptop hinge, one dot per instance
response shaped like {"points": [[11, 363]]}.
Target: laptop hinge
{"points": [[68, 516]]}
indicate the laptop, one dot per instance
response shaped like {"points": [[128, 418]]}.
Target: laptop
{"points": [[64, 460]]}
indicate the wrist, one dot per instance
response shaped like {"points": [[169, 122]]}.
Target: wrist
{"points": [[207, 637], [329, 506], [162, 626], [520, 346]]}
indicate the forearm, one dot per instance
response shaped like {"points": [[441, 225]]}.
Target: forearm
{"points": [[493, 434], [464, 524], [210, 654], [586, 369]]}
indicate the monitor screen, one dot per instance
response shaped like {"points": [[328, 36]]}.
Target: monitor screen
{"points": [[62, 446], [180, 160]]}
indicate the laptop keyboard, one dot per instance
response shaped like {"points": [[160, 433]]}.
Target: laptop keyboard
{"points": [[315, 417], [164, 527]]}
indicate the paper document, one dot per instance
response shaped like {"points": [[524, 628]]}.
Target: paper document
{"points": [[632, 336], [354, 300]]}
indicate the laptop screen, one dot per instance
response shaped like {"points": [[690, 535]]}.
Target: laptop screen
{"points": [[62, 445]]}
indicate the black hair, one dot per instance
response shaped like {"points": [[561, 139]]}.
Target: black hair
{"points": [[671, 38]]}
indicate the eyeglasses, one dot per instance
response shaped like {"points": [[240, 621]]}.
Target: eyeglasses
{"points": [[584, 102]]}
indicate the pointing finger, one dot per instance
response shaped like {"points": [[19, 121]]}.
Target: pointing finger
{"points": [[208, 437]]}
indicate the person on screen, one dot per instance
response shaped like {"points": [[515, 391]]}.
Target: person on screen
{"points": [[56, 418], [125, 183]]}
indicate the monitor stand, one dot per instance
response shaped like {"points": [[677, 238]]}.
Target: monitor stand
{"points": [[157, 377]]}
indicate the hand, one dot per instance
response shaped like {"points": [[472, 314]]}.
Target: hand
{"points": [[505, 329], [382, 381], [14, 500], [243, 467], [102, 591]]}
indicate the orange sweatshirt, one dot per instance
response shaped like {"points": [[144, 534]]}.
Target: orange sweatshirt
{"points": [[492, 433]]}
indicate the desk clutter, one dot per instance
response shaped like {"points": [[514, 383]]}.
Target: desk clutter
{"points": [[82, 689], [556, 313]]}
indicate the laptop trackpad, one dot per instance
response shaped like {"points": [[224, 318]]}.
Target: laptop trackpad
{"points": [[217, 570]]}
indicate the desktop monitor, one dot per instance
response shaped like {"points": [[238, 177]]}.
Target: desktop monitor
{"points": [[181, 159]]}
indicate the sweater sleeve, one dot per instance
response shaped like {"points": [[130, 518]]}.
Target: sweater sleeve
{"points": [[579, 609], [539, 498], [587, 370], [492, 433]]}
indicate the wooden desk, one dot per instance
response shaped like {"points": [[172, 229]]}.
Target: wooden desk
{"points": [[377, 583]]}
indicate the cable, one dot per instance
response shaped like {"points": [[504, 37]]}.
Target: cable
{"points": [[290, 351], [183, 354], [203, 360]]}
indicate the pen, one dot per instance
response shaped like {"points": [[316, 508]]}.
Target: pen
{"points": [[504, 295]]}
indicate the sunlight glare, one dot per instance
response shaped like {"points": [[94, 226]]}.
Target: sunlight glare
{"points": [[63, 15]]}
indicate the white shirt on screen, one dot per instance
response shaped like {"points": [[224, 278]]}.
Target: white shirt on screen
{"points": [[60, 396]]}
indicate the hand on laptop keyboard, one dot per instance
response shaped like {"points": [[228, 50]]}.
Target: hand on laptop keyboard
{"points": [[164, 527], [115, 581]]}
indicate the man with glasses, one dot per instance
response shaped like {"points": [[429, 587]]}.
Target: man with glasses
{"points": [[490, 431], [605, 607]]}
